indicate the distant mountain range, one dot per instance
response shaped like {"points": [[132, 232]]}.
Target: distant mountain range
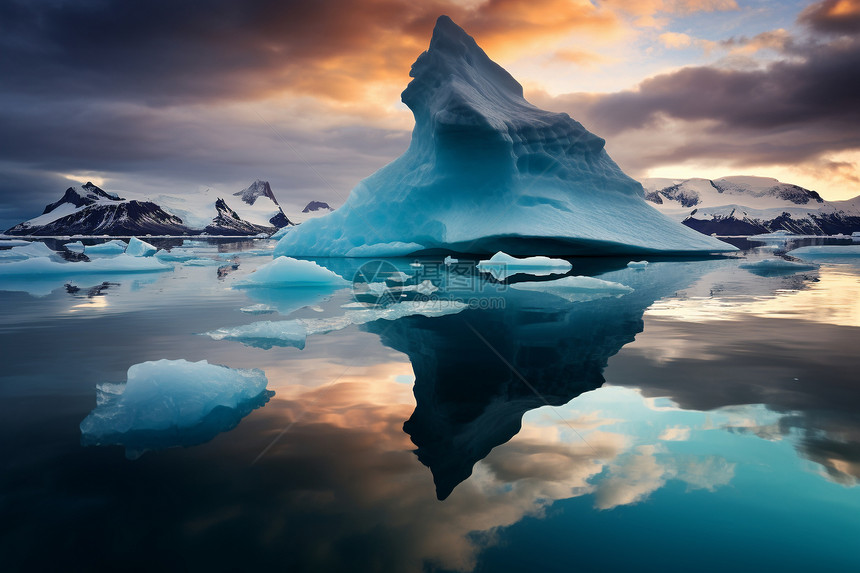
{"points": [[743, 205], [89, 210]]}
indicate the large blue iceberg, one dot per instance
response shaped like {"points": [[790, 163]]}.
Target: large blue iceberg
{"points": [[487, 171]]}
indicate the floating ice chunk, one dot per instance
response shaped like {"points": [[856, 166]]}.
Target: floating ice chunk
{"points": [[171, 402], [450, 261], [637, 264], [776, 266], [393, 249], [27, 251], [576, 289], [109, 248], [259, 309], [289, 272], [123, 263], [416, 265], [201, 263], [76, 247], [138, 248], [268, 334], [178, 254], [265, 334], [826, 251], [502, 265]]}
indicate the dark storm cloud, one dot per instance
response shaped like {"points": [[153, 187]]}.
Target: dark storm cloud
{"points": [[795, 109], [174, 51], [833, 16], [821, 90]]}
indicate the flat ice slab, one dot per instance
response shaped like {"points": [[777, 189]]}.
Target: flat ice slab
{"points": [[502, 265], [773, 266], [826, 251], [576, 289], [41, 266]]}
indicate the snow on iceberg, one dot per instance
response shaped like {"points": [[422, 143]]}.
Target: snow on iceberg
{"points": [[138, 248], [502, 265], [826, 251], [109, 248], [40, 266], [289, 272], [267, 334], [776, 266], [576, 289], [488, 171], [172, 402]]}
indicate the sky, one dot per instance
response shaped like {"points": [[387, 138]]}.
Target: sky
{"points": [[176, 96]]}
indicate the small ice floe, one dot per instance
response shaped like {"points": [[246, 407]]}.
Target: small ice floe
{"points": [[169, 403], [826, 251], [114, 247], [179, 254], [39, 266], [637, 265], [28, 251], [290, 272], [138, 248], [502, 265], [450, 261], [776, 266], [576, 289], [258, 309]]}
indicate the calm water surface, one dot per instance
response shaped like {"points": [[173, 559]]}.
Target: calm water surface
{"points": [[709, 420]]}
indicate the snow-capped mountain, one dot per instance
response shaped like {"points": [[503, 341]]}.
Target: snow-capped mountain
{"points": [[312, 210], [744, 205], [486, 171], [89, 210], [315, 206]]}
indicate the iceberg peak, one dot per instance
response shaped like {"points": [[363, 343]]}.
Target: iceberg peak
{"points": [[487, 171]]}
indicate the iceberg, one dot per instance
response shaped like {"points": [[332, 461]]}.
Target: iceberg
{"points": [[488, 171], [576, 289], [289, 272], [138, 248], [40, 266], [502, 265], [637, 264], [109, 248], [826, 251], [76, 247], [172, 402]]}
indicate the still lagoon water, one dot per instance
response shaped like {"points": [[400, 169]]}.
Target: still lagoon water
{"points": [[706, 420]]}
